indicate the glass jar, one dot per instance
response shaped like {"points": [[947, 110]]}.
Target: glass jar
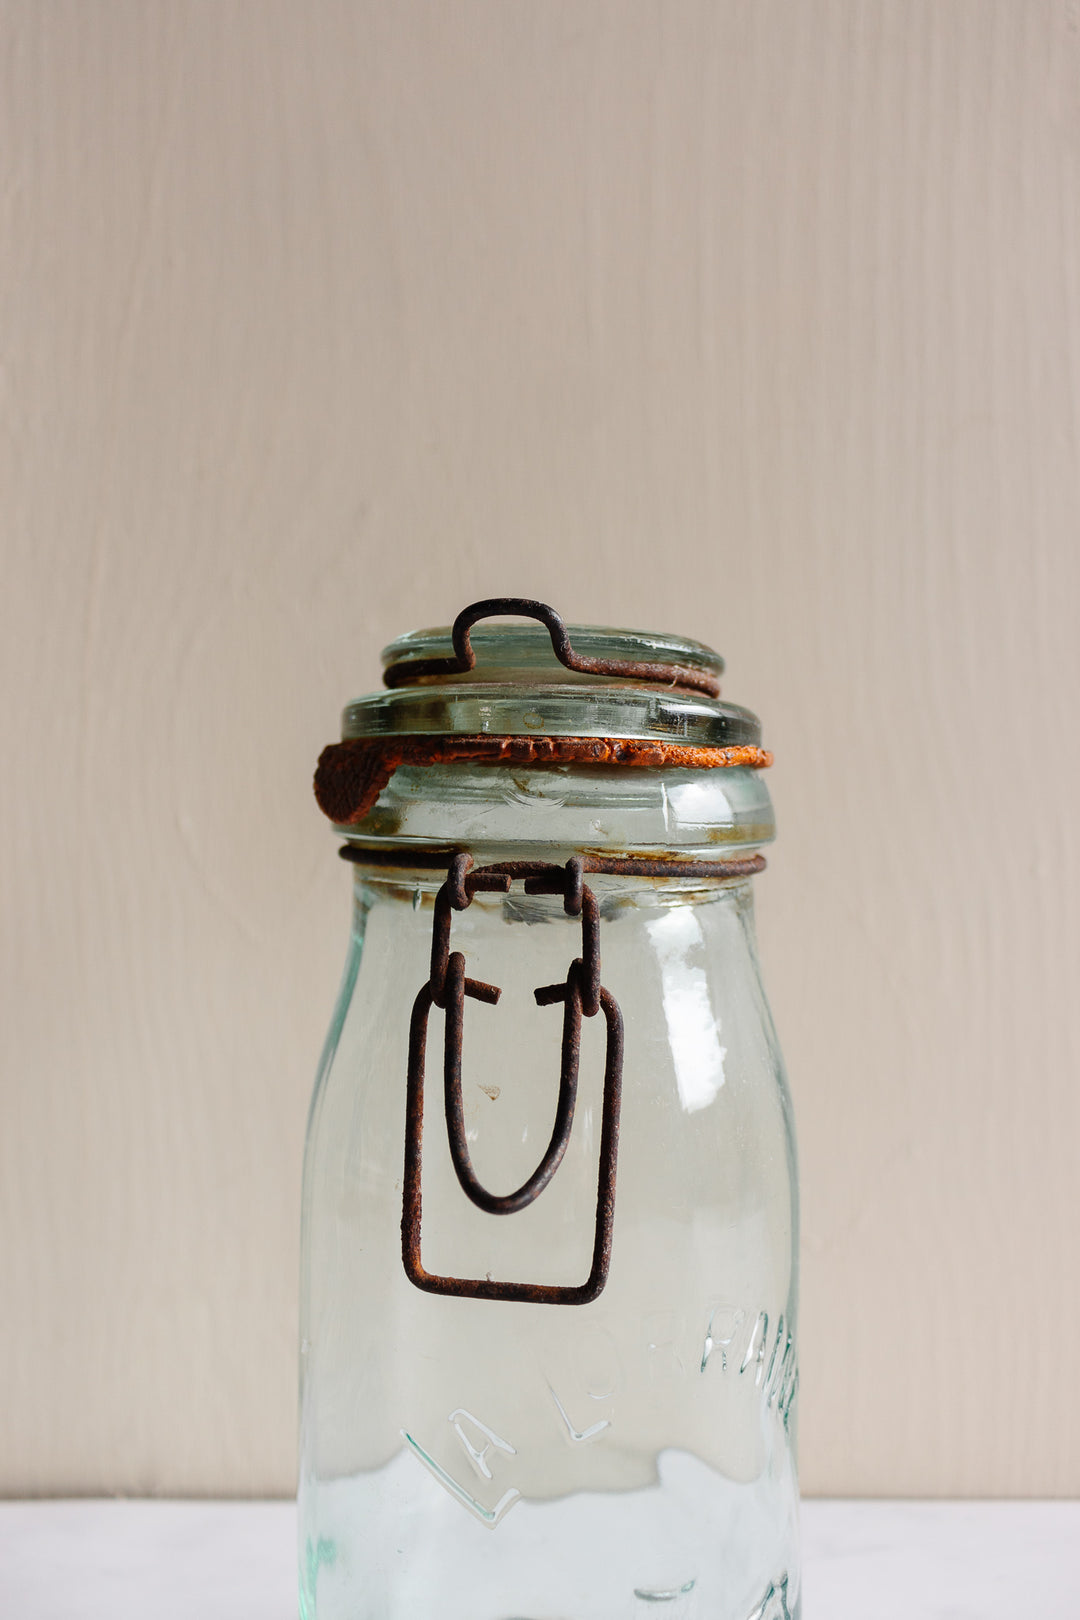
{"points": [[576, 1403]]}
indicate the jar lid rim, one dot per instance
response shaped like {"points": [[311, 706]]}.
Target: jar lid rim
{"points": [[503, 650]]}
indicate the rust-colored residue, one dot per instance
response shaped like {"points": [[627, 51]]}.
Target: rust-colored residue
{"points": [[351, 775]]}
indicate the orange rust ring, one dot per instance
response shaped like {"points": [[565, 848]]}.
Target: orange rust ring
{"points": [[351, 775]]}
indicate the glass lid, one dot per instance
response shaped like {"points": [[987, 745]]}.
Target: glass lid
{"points": [[642, 684]]}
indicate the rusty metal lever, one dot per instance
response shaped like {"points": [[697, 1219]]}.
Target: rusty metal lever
{"points": [[582, 995]]}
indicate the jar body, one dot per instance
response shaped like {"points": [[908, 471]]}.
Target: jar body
{"points": [[474, 1459]]}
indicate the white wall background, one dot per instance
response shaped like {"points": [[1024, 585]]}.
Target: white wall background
{"points": [[758, 321]]}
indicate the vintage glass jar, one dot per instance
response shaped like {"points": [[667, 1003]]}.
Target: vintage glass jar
{"points": [[548, 1354]]}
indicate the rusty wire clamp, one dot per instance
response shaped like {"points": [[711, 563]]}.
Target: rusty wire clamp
{"points": [[494, 607], [350, 778], [581, 994]]}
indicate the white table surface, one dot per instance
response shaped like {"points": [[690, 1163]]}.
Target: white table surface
{"points": [[235, 1561]]}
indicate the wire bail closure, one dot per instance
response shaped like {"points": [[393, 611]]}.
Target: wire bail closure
{"points": [[582, 995], [496, 607], [350, 777]]}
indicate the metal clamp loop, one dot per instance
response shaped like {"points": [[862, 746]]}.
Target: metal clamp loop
{"points": [[464, 659], [582, 995]]}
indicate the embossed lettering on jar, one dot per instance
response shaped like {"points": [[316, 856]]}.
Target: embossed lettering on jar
{"points": [[548, 1355]]}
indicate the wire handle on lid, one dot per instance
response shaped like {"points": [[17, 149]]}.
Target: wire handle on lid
{"points": [[464, 659]]}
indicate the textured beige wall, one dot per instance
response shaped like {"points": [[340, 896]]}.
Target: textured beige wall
{"points": [[756, 321]]}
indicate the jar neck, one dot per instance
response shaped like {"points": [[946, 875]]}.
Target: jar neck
{"points": [[505, 813]]}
